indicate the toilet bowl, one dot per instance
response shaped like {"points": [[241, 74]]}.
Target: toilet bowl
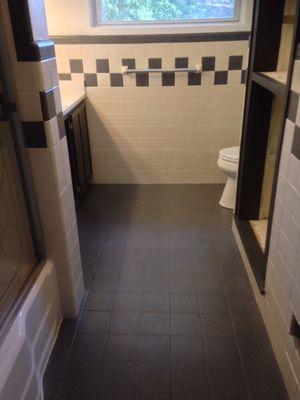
{"points": [[228, 162]]}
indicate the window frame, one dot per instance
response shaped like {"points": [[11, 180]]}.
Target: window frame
{"points": [[98, 22]]}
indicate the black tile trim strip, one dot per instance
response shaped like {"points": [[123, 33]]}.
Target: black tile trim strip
{"points": [[35, 134], [165, 38], [27, 48], [61, 125], [47, 99], [297, 55]]}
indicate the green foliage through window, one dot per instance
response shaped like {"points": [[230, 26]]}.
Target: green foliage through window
{"points": [[166, 10]]}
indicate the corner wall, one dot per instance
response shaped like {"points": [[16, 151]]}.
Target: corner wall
{"points": [[24, 27], [282, 298]]}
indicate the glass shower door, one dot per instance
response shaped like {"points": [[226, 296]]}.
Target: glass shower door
{"points": [[17, 255]]}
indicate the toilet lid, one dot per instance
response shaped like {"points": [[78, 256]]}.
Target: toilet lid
{"points": [[230, 154]]}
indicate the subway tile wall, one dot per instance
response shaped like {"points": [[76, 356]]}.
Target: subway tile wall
{"points": [[158, 127], [283, 272]]}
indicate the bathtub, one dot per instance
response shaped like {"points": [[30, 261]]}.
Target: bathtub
{"points": [[27, 345]]}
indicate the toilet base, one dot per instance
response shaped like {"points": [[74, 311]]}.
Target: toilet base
{"points": [[229, 194]]}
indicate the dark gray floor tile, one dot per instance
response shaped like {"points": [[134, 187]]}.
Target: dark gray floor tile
{"points": [[213, 304], [131, 283], [118, 377], [88, 346], [187, 349], [123, 322], [184, 303], [238, 287], [105, 283], [155, 285], [153, 379], [100, 301], [121, 347], [224, 368], [189, 379], [77, 396], [243, 304], [248, 324], [182, 285], [128, 301], [154, 323], [210, 286], [185, 324], [153, 349], [80, 376], [264, 378], [214, 325], [94, 322], [155, 302]]}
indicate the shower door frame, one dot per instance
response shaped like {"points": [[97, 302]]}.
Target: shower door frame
{"points": [[8, 114]]}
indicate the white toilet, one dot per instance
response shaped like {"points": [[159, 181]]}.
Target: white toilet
{"points": [[228, 162]]}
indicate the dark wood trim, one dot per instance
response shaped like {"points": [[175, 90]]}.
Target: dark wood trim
{"points": [[263, 57], [268, 83], [163, 38], [255, 255]]}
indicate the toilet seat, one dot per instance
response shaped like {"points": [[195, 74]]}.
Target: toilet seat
{"points": [[230, 154]]}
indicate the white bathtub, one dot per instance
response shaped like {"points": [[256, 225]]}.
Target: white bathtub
{"points": [[26, 348]]}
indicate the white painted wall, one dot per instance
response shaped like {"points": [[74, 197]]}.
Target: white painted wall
{"points": [[75, 17]]}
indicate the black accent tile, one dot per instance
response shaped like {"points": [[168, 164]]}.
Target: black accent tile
{"points": [[48, 104], [65, 77], [142, 79], [155, 38], [185, 325], [155, 302], [102, 65], [154, 324], [128, 62], [208, 63], [293, 106], [187, 349], [221, 77], [100, 301], [181, 62], [116, 80], [168, 78], [155, 63], [124, 323], [235, 62], [194, 78], [76, 66], [90, 80], [244, 76], [184, 303], [61, 125], [34, 134], [94, 322]]}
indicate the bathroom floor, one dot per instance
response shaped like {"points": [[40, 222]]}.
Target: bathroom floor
{"points": [[169, 312]]}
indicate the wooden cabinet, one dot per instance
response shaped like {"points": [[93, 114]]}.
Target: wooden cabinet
{"points": [[79, 150]]}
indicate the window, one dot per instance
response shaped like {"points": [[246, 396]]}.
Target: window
{"points": [[166, 11]]}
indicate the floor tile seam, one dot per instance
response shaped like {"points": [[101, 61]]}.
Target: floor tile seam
{"points": [[236, 339]]}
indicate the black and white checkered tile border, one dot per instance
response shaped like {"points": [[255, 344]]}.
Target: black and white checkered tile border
{"points": [[102, 67]]}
